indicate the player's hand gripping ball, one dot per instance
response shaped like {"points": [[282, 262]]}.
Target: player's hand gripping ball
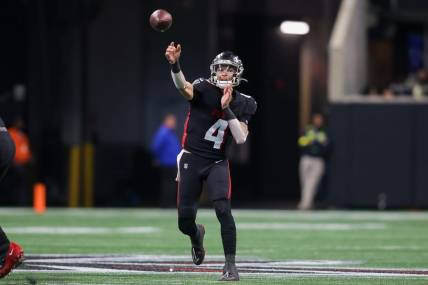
{"points": [[160, 20]]}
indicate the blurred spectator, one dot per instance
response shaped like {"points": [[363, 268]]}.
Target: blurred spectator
{"points": [[19, 173], [387, 93], [165, 148], [399, 88], [314, 149], [420, 84], [370, 90], [373, 91], [416, 85]]}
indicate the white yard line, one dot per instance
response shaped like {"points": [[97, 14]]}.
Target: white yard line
{"points": [[311, 226], [81, 230], [239, 213], [292, 273], [385, 247], [152, 264]]}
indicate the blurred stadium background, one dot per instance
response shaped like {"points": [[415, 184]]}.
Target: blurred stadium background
{"points": [[89, 80]]}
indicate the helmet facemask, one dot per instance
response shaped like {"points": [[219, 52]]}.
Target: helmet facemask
{"points": [[226, 62]]}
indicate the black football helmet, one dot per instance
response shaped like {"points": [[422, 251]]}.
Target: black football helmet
{"points": [[231, 61]]}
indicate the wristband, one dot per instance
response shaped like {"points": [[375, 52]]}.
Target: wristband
{"points": [[175, 67]]}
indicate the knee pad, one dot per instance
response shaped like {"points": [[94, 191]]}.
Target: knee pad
{"points": [[186, 220], [222, 207], [228, 228], [187, 226], [224, 213], [186, 212]]}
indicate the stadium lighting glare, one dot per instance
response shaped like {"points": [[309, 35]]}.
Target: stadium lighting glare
{"points": [[294, 28]]}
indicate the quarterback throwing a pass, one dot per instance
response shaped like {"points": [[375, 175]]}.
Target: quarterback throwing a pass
{"points": [[217, 115]]}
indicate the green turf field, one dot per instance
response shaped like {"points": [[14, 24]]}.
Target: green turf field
{"points": [[123, 246]]}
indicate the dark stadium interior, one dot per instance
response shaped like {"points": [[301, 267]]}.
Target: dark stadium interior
{"points": [[95, 73]]}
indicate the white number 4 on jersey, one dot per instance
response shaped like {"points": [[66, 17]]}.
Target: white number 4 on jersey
{"points": [[219, 126]]}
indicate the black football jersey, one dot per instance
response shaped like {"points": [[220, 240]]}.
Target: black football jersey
{"points": [[206, 133]]}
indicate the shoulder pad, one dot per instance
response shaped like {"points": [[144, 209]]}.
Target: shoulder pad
{"points": [[197, 81], [251, 104], [246, 96]]}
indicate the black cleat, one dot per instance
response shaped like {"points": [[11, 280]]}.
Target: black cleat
{"points": [[198, 251], [230, 273]]}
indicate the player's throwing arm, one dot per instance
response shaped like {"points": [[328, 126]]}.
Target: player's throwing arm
{"points": [[172, 54]]}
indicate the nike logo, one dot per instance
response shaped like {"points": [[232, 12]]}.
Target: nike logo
{"points": [[219, 161], [194, 254]]}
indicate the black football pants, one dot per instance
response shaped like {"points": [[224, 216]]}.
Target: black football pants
{"points": [[194, 170]]}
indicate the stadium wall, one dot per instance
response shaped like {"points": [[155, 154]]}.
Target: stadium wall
{"points": [[380, 155]]}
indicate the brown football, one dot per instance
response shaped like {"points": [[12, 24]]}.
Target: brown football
{"points": [[160, 20]]}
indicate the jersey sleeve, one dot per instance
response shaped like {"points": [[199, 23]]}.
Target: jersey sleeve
{"points": [[249, 110], [197, 90]]}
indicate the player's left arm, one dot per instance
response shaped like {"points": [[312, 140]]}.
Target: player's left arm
{"points": [[238, 129]]}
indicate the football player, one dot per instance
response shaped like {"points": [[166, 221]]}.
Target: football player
{"points": [[11, 254], [217, 115]]}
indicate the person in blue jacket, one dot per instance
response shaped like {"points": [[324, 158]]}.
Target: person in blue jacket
{"points": [[165, 148]]}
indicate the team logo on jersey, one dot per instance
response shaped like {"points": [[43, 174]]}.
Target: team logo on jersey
{"points": [[186, 165]]}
